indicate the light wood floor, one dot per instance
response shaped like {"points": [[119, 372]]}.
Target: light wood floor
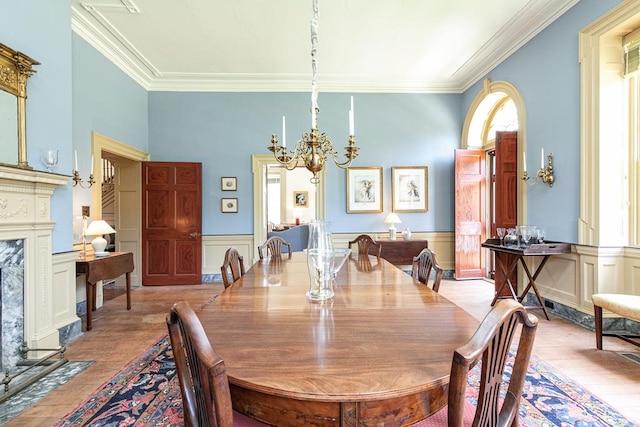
{"points": [[118, 336]]}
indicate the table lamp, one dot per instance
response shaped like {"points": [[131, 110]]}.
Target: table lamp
{"points": [[98, 228], [392, 219]]}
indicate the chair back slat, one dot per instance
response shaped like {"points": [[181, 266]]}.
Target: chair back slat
{"points": [[366, 246], [233, 266], [490, 344], [423, 264], [274, 247]]}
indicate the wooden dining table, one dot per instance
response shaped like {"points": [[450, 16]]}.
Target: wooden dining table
{"points": [[378, 353]]}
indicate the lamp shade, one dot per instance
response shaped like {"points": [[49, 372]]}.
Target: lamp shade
{"points": [[392, 218], [98, 228]]}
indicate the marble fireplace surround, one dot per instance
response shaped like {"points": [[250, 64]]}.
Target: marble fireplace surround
{"points": [[26, 243]]}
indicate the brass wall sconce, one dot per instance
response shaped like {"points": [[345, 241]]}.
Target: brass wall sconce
{"points": [[545, 173]]}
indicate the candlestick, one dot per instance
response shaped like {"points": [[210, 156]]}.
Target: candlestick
{"points": [[284, 133], [351, 125]]}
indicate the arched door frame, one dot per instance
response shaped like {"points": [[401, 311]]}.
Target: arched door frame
{"points": [[507, 88]]}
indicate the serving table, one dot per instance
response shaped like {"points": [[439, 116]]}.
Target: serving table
{"points": [[378, 353], [400, 251], [544, 250], [102, 268]]}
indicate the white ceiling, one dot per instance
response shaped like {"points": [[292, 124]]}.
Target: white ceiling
{"points": [[264, 45]]}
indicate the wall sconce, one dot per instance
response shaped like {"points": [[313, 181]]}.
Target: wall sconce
{"points": [[545, 173], [76, 175]]}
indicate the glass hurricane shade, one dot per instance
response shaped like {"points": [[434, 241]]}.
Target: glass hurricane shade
{"points": [[98, 228]]}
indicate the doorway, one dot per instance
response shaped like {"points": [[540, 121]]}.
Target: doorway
{"points": [[127, 212], [260, 168], [497, 107]]}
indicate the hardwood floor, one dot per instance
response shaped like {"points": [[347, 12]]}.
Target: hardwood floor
{"points": [[119, 335]]}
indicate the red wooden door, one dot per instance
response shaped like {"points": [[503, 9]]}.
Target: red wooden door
{"points": [[506, 195], [470, 203], [171, 223]]}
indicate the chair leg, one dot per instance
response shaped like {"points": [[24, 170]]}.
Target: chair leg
{"points": [[597, 314]]}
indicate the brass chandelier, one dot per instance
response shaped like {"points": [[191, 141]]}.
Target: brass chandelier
{"points": [[314, 147]]}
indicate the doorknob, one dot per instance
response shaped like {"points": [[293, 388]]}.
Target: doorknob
{"points": [[195, 235]]}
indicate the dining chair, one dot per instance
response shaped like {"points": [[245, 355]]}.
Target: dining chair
{"points": [[366, 244], [202, 375], [233, 265], [421, 268], [490, 344], [273, 247]]}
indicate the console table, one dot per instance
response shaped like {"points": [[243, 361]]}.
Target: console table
{"points": [[102, 268], [545, 250], [401, 252]]}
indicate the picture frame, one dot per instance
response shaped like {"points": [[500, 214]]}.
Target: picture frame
{"points": [[229, 205], [409, 187], [364, 189], [229, 183], [300, 199]]}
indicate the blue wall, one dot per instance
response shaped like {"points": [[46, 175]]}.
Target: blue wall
{"points": [[546, 72], [77, 90], [42, 30], [107, 101], [223, 130]]}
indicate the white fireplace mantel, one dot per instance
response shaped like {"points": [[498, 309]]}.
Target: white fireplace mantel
{"points": [[25, 214]]}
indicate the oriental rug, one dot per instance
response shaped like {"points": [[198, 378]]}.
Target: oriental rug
{"points": [[146, 393]]}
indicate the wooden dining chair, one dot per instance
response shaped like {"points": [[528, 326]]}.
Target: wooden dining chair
{"points": [[233, 265], [423, 264], [202, 375], [365, 245], [273, 247], [490, 344]]}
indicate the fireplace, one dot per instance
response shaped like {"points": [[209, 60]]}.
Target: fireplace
{"points": [[33, 294]]}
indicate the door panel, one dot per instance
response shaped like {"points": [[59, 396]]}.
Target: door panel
{"points": [[469, 213], [172, 223], [506, 195]]}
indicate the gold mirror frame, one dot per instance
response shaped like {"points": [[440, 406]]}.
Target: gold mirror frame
{"points": [[15, 69]]}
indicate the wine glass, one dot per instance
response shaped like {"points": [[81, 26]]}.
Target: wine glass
{"points": [[540, 235], [501, 233], [525, 232], [50, 159]]}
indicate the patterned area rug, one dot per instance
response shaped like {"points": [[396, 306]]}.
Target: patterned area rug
{"points": [[146, 393]]}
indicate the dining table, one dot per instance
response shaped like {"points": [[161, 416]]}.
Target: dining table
{"points": [[378, 352]]}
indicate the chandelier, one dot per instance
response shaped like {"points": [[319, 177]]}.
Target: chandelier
{"points": [[314, 147]]}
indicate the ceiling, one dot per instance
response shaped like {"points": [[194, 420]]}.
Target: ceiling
{"points": [[415, 46]]}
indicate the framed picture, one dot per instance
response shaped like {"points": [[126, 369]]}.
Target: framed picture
{"points": [[409, 188], [229, 205], [300, 199], [364, 190], [229, 183]]}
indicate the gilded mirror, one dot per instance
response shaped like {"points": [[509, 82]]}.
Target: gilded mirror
{"points": [[15, 69]]}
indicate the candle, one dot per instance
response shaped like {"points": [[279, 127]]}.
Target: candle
{"points": [[92, 164], [314, 103], [524, 161], [351, 125], [75, 152], [542, 159], [284, 133]]}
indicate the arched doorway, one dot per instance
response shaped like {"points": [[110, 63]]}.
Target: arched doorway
{"points": [[498, 107]]}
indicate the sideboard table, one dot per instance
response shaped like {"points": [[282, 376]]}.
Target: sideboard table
{"points": [[102, 268], [401, 252]]}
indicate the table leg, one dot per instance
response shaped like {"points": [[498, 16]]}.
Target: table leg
{"points": [[507, 275], [128, 276], [90, 294], [532, 284]]}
